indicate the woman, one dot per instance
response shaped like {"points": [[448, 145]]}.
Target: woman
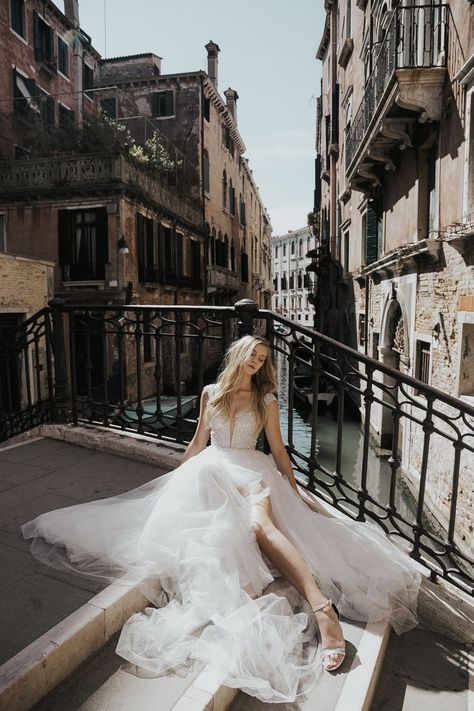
{"points": [[205, 534]]}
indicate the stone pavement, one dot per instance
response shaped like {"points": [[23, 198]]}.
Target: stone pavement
{"points": [[37, 476]]}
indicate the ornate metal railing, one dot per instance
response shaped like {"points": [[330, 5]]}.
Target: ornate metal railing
{"points": [[142, 368], [26, 376], [417, 37]]}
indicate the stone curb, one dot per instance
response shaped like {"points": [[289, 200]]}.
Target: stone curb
{"points": [[36, 670], [361, 680]]}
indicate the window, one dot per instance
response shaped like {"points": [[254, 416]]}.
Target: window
{"points": [[300, 280], [228, 139], [17, 17], [231, 198], [163, 104], [346, 252], [3, 236], [63, 57], [47, 108], [206, 172], [361, 329], [171, 255], [292, 281], [292, 247], [65, 117], [24, 96], [87, 79], [108, 107], [422, 365], [83, 244], [276, 252], [147, 271], [283, 282], [242, 217], [374, 231], [244, 267], [207, 109], [224, 189], [284, 250], [43, 38], [232, 255]]}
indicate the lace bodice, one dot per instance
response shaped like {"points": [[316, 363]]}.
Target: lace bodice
{"points": [[243, 436]]}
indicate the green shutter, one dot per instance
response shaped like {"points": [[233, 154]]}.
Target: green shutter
{"points": [[372, 235]]}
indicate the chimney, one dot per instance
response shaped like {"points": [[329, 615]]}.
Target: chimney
{"points": [[71, 10], [231, 97], [212, 61]]}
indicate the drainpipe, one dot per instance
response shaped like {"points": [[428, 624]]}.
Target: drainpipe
{"points": [[203, 197]]}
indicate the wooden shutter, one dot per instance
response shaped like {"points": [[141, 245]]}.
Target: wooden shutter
{"points": [[37, 36], [102, 241], [65, 236], [140, 231], [372, 235]]}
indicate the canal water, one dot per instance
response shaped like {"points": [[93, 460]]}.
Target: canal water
{"points": [[378, 473]]}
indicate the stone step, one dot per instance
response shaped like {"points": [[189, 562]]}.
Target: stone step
{"points": [[351, 687]]}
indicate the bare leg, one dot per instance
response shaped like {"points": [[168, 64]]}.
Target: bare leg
{"points": [[289, 562]]}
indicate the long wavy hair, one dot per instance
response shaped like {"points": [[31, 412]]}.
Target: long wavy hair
{"points": [[232, 376]]}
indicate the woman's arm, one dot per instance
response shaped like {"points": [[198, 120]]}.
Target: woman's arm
{"points": [[199, 441], [280, 455]]}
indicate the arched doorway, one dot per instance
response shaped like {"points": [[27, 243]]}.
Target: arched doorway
{"points": [[394, 353]]}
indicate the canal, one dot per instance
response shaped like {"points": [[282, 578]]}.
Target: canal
{"points": [[379, 471]]}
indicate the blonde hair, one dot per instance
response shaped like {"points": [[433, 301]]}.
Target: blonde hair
{"points": [[232, 375]]}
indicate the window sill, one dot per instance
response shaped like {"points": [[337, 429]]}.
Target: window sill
{"points": [[22, 39], [161, 118], [64, 76]]}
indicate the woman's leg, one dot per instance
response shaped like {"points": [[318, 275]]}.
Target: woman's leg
{"points": [[289, 562]]}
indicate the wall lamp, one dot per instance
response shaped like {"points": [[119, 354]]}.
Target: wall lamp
{"points": [[122, 246]]}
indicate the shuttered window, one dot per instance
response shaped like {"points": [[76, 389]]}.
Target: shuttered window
{"points": [[17, 17], [163, 103], [147, 271]]}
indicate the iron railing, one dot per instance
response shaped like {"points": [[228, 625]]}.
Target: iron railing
{"points": [[141, 369], [417, 37], [26, 376]]}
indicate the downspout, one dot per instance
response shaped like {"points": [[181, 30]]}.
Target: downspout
{"points": [[333, 157], [203, 197]]}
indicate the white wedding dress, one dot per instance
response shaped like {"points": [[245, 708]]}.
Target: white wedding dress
{"points": [[190, 534]]}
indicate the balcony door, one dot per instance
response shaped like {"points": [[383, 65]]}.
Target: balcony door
{"points": [[83, 244]]}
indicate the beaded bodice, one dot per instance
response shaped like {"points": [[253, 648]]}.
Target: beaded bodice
{"points": [[237, 434]]}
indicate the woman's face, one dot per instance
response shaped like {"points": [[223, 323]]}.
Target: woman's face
{"points": [[256, 359]]}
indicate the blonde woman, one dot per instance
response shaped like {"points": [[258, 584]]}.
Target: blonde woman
{"points": [[206, 534]]}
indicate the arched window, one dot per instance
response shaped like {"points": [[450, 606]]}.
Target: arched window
{"points": [[300, 280], [292, 246], [300, 248]]}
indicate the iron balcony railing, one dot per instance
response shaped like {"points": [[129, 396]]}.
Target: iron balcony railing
{"points": [[142, 368], [417, 37]]}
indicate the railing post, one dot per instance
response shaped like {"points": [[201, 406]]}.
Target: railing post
{"points": [[247, 311], [61, 387]]}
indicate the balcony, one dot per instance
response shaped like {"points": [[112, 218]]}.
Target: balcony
{"points": [[222, 279], [405, 86], [51, 177]]}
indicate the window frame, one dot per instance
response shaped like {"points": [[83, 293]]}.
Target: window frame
{"points": [[60, 39], [22, 36], [155, 103], [86, 91]]}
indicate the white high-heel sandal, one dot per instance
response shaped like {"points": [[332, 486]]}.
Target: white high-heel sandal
{"points": [[337, 650]]}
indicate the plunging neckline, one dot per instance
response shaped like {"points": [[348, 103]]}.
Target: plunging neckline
{"points": [[232, 424]]}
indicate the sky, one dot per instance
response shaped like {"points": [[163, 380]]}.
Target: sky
{"points": [[267, 55]]}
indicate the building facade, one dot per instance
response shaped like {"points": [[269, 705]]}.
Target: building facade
{"points": [[132, 182], [291, 281], [395, 198]]}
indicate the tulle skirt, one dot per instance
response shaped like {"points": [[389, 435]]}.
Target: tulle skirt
{"points": [[189, 533]]}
